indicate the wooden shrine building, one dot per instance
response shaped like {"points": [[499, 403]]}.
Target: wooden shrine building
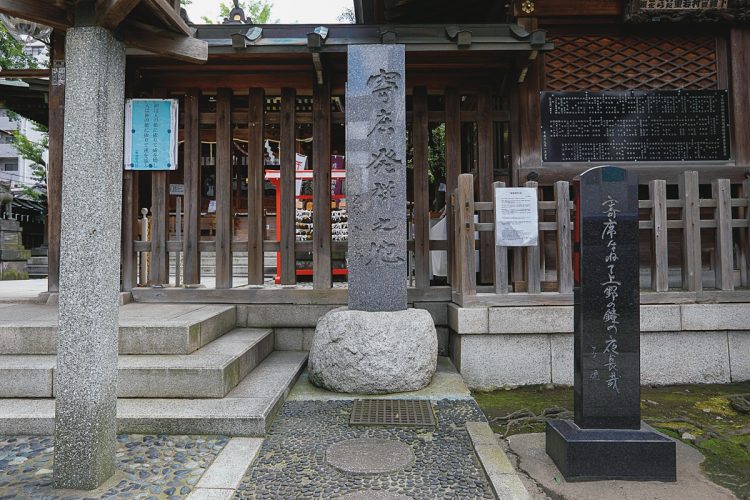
{"points": [[484, 83]]}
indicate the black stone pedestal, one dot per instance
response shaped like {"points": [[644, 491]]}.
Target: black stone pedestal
{"points": [[607, 454]]}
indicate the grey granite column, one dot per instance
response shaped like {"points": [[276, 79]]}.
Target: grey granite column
{"points": [[376, 177], [86, 376]]}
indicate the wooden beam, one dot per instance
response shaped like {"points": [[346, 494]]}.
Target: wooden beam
{"points": [[322, 184], [166, 12], [110, 13], [256, 131], [562, 8], [224, 220], [38, 11], [164, 43], [25, 73], [287, 150]]}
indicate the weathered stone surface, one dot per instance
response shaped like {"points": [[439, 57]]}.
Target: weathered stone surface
{"points": [[376, 178], [86, 378], [373, 352], [369, 456]]}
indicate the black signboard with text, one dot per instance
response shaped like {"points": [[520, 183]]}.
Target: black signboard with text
{"points": [[657, 125]]}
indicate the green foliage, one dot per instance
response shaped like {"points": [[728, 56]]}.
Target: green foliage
{"points": [[259, 11], [437, 153], [33, 151], [11, 52]]}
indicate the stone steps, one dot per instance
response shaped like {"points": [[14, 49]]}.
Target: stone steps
{"points": [[209, 372], [144, 328], [246, 411]]}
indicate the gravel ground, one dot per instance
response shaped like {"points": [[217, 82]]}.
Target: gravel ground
{"points": [[149, 467], [292, 461]]}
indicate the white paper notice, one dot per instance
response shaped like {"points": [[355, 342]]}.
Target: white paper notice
{"points": [[517, 217]]}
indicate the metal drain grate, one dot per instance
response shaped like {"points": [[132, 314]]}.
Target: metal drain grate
{"points": [[406, 412]]}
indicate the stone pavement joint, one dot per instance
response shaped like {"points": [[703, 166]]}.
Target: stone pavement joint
{"points": [[230, 466], [501, 474]]}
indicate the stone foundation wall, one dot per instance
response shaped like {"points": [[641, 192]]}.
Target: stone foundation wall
{"points": [[294, 325], [690, 343]]}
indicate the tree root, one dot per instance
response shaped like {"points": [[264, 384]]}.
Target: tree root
{"points": [[525, 416]]}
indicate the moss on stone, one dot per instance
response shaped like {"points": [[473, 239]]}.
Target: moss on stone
{"points": [[13, 274], [722, 434]]}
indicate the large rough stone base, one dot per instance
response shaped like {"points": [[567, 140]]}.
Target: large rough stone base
{"points": [[361, 352]]}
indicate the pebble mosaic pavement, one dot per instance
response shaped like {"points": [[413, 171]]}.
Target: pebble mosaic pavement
{"points": [[149, 467], [292, 461]]}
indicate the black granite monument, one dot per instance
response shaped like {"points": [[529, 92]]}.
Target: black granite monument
{"points": [[606, 440]]}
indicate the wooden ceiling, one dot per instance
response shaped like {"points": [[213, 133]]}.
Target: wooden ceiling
{"points": [[151, 25]]}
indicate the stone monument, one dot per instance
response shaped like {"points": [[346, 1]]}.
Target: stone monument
{"points": [[606, 440], [377, 345], [13, 255]]}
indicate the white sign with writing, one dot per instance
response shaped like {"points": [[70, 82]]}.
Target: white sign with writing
{"points": [[516, 217], [177, 189]]}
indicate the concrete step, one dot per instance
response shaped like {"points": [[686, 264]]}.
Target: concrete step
{"points": [[247, 411], [37, 261], [209, 372], [144, 328]]}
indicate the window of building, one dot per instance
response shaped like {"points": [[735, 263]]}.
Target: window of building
{"points": [[9, 165]]}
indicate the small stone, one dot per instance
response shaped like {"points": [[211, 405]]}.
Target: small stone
{"points": [[686, 436]]}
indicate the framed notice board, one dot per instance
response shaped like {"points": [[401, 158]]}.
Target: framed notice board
{"points": [[151, 134], [658, 125]]}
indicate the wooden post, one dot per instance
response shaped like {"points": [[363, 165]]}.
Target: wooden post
{"points": [[533, 278], [739, 46], [192, 153], [322, 277], [564, 244], [129, 216], [485, 138], [159, 228], [420, 142], [287, 151], [55, 164], [224, 219], [452, 164], [178, 235], [746, 242], [692, 266], [144, 237], [256, 131], [465, 246], [159, 217], [501, 252], [659, 249], [721, 189]]}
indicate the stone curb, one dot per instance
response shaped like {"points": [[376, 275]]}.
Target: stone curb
{"points": [[223, 476], [500, 472]]}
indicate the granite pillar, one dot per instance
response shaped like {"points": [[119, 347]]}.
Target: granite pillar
{"points": [[376, 177], [606, 440], [86, 375]]}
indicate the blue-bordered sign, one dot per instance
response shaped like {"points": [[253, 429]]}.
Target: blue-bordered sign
{"points": [[151, 134]]}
